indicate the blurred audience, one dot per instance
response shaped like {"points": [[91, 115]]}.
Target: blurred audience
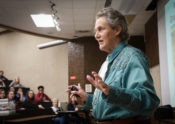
{"points": [[2, 84], [2, 93], [73, 106], [56, 109], [41, 96], [20, 97], [2, 77], [16, 83], [12, 89], [12, 104], [30, 103]]}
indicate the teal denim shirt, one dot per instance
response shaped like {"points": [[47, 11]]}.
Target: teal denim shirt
{"points": [[131, 87]]}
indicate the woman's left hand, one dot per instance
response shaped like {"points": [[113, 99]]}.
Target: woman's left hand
{"points": [[98, 83]]}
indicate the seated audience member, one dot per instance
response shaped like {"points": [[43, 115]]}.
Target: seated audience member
{"points": [[2, 84], [16, 83], [11, 96], [2, 93], [41, 96], [19, 97], [30, 103], [56, 109], [2, 77], [12, 89], [73, 106]]}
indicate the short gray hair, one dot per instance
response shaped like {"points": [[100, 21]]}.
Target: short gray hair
{"points": [[115, 18]]}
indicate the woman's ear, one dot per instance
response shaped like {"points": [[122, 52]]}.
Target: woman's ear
{"points": [[118, 29]]}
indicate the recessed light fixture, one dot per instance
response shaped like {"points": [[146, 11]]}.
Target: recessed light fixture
{"points": [[43, 20]]}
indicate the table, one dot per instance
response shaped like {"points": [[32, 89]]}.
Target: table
{"points": [[167, 121], [26, 117], [30, 118]]}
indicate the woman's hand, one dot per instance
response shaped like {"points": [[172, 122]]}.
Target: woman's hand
{"points": [[40, 107], [98, 83], [80, 92]]}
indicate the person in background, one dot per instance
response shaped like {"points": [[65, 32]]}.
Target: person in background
{"points": [[30, 103], [2, 93], [2, 84], [72, 106], [16, 83], [124, 91], [12, 104], [56, 109], [2, 77], [41, 96], [20, 97], [12, 89]]}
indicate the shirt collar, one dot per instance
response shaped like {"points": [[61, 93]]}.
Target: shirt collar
{"points": [[116, 51]]}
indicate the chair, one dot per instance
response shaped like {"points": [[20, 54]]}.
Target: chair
{"points": [[164, 114]]}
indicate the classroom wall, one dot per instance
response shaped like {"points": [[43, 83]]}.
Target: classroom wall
{"points": [[19, 56], [155, 72]]}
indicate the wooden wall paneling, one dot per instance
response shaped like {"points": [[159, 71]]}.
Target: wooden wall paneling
{"points": [[84, 57], [151, 40], [93, 57], [76, 62], [138, 42]]}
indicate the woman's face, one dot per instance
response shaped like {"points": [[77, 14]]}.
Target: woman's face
{"points": [[19, 90], [74, 99], [31, 94], [11, 95], [105, 35], [12, 89], [1, 73], [2, 94], [17, 80], [55, 103]]}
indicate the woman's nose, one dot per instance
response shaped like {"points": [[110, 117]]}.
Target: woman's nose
{"points": [[97, 35]]}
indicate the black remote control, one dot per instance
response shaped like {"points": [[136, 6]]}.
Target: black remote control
{"points": [[73, 88]]}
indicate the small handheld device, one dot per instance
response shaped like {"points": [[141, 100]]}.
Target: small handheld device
{"points": [[73, 88]]}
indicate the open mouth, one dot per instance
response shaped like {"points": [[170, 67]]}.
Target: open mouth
{"points": [[100, 41]]}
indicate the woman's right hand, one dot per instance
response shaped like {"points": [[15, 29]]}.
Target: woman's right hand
{"points": [[40, 107], [80, 92]]}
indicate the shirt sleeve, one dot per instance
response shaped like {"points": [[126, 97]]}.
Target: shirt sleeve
{"points": [[11, 84], [88, 103], [47, 98], [138, 93], [38, 97]]}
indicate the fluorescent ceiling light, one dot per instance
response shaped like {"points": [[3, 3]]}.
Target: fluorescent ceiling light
{"points": [[50, 44], [43, 20]]}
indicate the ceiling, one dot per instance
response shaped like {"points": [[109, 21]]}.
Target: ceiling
{"points": [[77, 17]]}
